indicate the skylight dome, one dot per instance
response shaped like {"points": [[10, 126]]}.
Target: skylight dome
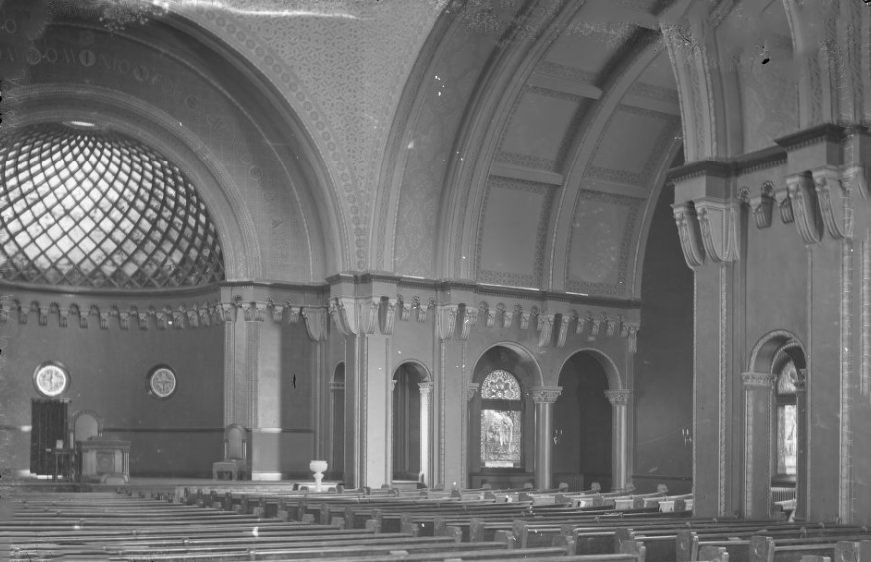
{"points": [[87, 207]]}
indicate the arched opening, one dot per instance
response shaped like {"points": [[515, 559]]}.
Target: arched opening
{"points": [[337, 407], [583, 432], [411, 391], [501, 421]]}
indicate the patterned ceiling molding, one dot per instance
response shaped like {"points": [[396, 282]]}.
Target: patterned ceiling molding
{"points": [[634, 206], [507, 278], [556, 94], [526, 161], [654, 92]]}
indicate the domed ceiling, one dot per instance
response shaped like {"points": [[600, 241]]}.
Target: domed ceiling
{"points": [[87, 207]]}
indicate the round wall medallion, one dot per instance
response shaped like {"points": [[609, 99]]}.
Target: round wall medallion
{"points": [[51, 379], [161, 381]]}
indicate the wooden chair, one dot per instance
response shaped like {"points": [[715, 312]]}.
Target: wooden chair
{"points": [[235, 454]]}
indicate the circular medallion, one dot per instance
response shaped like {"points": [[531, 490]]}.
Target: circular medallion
{"points": [[161, 382], [51, 379]]}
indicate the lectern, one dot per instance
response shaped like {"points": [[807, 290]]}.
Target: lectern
{"points": [[104, 459]]}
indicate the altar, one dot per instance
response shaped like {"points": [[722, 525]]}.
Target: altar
{"points": [[104, 459]]}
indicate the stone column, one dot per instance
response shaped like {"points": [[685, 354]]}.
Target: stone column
{"points": [[544, 397], [619, 432], [425, 393], [801, 456], [391, 445], [757, 444]]}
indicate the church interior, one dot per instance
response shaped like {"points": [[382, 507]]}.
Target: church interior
{"points": [[594, 247]]}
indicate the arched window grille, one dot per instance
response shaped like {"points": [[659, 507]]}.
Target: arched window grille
{"points": [[501, 421]]}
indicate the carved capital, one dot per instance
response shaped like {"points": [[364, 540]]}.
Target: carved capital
{"points": [[470, 318], [757, 380], [471, 390], [718, 222], [545, 328], [446, 321], [545, 394], [763, 205], [689, 233], [801, 191], [254, 311], [618, 397], [834, 198], [425, 389]]}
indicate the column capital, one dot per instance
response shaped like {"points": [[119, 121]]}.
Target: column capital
{"points": [[618, 397], [757, 380], [546, 394], [425, 388], [471, 390]]}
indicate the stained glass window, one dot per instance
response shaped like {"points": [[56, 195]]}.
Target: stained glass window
{"points": [[501, 421], [86, 207], [787, 434]]}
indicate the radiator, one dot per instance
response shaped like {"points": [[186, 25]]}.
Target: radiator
{"points": [[780, 493]]}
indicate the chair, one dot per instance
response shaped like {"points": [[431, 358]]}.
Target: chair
{"points": [[235, 454]]}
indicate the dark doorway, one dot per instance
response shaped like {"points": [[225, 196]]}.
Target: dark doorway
{"points": [[48, 426]]}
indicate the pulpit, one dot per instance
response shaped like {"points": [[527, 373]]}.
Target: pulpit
{"points": [[104, 459]]}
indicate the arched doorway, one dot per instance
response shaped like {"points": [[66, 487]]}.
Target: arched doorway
{"points": [[337, 419], [583, 429], [411, 397], [775, 430]]}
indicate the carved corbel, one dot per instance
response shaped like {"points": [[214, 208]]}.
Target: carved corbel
{"points": [[205, 317], [404, 309], [5, 310], [226, 312], [344, 314], [277, 312], [489, 314], [446, 321], [581, 324], [689, 234], [42, 315], [193, 317], [178, 318], [718, 222], [422, 309], [507, 316], [124, 319], [596, 323], [389, 317], [160, 319], [471, 390], [763, 206], [23, 313], [83, 318], [293, 314], [562, 329], [368, 315], [834, 200], [63, 317], [630, 332], [254, 311], [95, 312], [470, 318], [142, 318], [784, 206], [524, 317], [545, 328], [800, 189], [104, 320], [857, 177], [315, 323]]}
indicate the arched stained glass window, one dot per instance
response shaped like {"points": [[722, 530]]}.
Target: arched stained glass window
{"points": [[501, 420], [82, 206]]}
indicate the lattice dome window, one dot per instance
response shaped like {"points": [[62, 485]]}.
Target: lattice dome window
{"points": [[86, 207]]}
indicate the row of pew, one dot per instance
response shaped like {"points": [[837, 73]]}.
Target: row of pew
{"points": [[270, 522]]}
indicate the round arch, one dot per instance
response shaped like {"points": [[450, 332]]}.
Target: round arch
{"points": [[615, 380], [423, 372], [530, 373], [770, 345]]}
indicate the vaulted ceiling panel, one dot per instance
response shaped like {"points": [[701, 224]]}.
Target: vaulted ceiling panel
{"points": [[603, 233], [513, 232], [632, 145], [537, 129]]}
